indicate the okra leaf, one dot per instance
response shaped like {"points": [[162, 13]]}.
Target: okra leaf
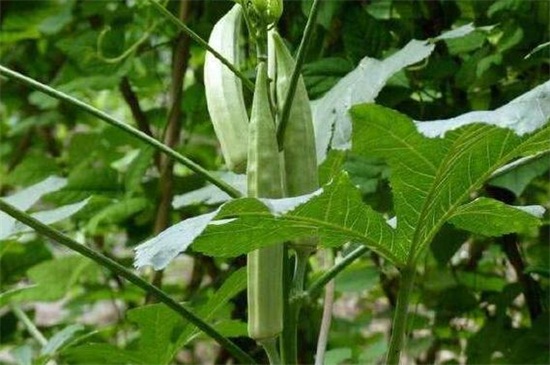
{"points": [[362, 85], [431, 178], [336, 214], [163, 248], [490, 217], [517, 178], [524, 114]]}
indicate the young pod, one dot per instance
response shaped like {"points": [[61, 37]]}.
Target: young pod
{"points": [[299, 153], [301, 176], [265, 270], [224, 94]]}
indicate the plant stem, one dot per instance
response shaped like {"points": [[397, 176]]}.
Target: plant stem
{"points": [[184, 28], [29, 325], [287, 284], [180, 61], [296, 302], [300, 57], [315, 288], [122, 271], [327, 315], [399, 323], [123, 126], [325, 324], [270, 347]]}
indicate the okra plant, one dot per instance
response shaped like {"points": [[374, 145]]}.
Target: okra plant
{"points": [[300, 169]]}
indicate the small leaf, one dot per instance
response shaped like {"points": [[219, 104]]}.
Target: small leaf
{"points": [[457, 33], [164, 332], [490, 217], [517, 179], [137, 168], [117, 212], [55, 278], [160, 250], [52, 216], [61, 339], [25, 199]]}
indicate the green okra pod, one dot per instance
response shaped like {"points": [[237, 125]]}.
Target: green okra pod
{"points": [[265, 270]]}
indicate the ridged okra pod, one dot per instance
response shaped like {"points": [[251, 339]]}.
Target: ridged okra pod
{"points": [[265, 271], [300, 158], [224, 94]]}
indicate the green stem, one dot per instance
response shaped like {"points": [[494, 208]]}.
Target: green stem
{"points": [[184, 28], [300, 57], [270, 347], [316, 287], [123, 126], [296, 302], [29, 325], [287, 284], [122, 271], [401, 313]]}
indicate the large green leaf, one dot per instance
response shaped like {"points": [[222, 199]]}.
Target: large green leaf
{"points": [[335, 213], [431, 178]]}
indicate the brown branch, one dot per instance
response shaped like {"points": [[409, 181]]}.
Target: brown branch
{"points": [[180, 60], [135, 108], [51, 145], [531, 289], [21, 149], [511, 249]]}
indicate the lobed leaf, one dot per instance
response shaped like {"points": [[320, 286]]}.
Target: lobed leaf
{"points": [[490, 217], [431, 178]]}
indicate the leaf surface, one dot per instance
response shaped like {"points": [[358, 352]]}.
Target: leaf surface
{"points": [[431, 178]]}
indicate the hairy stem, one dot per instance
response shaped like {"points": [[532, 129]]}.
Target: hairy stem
{"points": [[401, 313], [123, 126], [122, 271]]}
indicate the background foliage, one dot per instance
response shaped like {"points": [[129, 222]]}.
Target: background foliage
{"points": [[477, 300]]}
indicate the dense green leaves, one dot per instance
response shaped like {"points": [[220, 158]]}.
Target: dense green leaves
{"points": [[479, 297]]}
